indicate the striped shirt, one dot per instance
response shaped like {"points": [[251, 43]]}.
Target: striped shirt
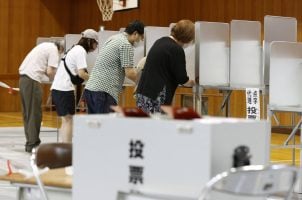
{"points": [[108, 72]]}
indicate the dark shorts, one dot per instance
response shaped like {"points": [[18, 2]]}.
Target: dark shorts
{"points": [[98, 101], [64, 102]]}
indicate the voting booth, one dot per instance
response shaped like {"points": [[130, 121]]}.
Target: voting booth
{"points": [[118, 157], [153, 33], [246, 54], [277, 28], [211, 58], [285, 86], [212, 45], [104, 35], [285, 74]]}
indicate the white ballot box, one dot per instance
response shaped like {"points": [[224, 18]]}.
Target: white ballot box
{"points": [[114, 156]]}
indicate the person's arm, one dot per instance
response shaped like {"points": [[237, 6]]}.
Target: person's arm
{"points": [[131, 73], [83, 74], [50, 72], [189, 83]]}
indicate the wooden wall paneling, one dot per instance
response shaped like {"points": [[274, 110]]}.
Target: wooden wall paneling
{"points": [[19, 32], [85, 14], [246, 10], [55, 17], [9, 102], [272, 7], [299, 34], [126, 98], [212, 101], [186, 8], [4, 5], [197, 10], [213, 10], [288, 9], [238, 104], [22, 21], [166, 19]]}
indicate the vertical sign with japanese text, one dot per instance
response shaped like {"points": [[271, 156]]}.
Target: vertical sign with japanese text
{"points": [[252, 103], [136, 172]]}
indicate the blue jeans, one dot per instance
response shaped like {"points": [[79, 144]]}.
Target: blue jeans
{"points": [[98, 101]]}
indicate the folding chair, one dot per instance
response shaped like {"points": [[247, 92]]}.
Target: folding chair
{"points": [[51, 155], [252, 182]]}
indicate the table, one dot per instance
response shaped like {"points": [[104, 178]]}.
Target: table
{"points": [[57, 184]]}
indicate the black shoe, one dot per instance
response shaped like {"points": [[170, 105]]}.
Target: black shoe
{"points": [[29, 148]]}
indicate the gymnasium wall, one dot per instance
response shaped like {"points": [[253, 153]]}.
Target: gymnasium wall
{"points": [[22, 21]]}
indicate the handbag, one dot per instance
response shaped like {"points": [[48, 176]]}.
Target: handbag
{"points": [[75, 79]]}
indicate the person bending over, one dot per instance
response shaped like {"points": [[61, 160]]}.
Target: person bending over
{"points": [[62, 89], [113, 63], [165, 68], [41, 61]]}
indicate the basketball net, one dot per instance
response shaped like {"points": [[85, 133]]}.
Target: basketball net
{"points": [[106, 8]]}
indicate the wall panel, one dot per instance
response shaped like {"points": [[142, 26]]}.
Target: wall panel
{"points": [[4, 4], [21, 22]]}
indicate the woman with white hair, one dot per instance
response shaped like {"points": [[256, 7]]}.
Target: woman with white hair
{"points": [[73, 66], [41, 61]]}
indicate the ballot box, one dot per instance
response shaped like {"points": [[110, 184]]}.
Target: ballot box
{"points": [[117, 157]]}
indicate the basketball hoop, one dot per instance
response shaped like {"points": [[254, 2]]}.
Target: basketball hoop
{"points": [[106, 8]]}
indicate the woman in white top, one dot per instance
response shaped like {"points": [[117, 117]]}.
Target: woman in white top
{"points": [[62, 89]]}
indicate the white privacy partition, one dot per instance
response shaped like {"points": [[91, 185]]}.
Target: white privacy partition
{"points": [[153, 156], [285, 88], [139, 52], [104, 36], [42, 39], [72, 39], [212, 45], [138, 55], [277, 28], [153, 33], [48, 39], [190, 60], [246, 69], [286, 74]]}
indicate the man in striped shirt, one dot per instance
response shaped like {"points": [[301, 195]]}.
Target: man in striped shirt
{"points": [[114, 62]]}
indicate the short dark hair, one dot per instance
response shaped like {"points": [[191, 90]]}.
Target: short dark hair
{"points": [[135, 25]]}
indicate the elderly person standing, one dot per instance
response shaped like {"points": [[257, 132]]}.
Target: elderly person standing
{"points": [[40, 61], [165, 68], [114, 62]]}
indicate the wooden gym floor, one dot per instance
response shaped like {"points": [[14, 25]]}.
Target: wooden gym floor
{"points": [[278, 155]]}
